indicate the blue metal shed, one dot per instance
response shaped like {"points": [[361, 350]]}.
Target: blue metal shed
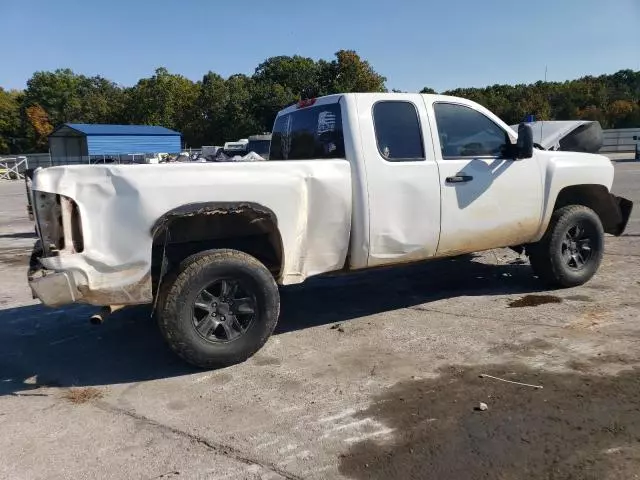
{"points": [[77, 142]]}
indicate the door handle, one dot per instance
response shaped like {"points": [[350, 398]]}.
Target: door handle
{"points": [[459, 178]]}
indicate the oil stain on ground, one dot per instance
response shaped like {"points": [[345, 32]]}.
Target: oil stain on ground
{"points": [[534, 301], [577, 427]]}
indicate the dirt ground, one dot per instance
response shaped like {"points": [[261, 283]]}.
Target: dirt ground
{"points": [[378, 375], [578, 426]]}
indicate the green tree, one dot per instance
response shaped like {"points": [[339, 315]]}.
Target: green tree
{"points": [[164, 99], [592, 98], [11, 135], [294, 74], [40, 125], [267, 99], [215, 109], [349, 73], [209, 116], [58, 93], [238, 116], [68, 97], [623, 114], [102, 101]]}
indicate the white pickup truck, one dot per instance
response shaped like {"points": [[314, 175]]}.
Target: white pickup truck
{"points": [[354, 181]]}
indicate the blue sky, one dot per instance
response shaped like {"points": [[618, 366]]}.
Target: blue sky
{"points": [[414, 43]]}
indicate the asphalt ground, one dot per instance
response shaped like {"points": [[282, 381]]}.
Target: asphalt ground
{"points": [[376, 375]]}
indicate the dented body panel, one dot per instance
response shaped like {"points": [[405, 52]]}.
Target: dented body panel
{"points": [[122, 207], [99, 224]]}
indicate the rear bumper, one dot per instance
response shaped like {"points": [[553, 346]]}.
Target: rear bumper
{"points": [[60, 285], [51, 288], [54, 289]]}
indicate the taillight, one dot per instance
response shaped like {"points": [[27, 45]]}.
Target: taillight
{"points": [[59, 223]]}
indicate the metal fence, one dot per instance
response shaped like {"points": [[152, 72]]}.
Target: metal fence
{"points": [[619, 140], [13, 167]]}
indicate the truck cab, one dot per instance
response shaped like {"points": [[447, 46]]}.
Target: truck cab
{"points": [[432, 175]]}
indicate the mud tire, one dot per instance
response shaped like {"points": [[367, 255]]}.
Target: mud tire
{"points": [[547, 258], [177, 297]]}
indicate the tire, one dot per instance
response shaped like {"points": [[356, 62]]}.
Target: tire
{"points": [[551, 258], [209, 328]]}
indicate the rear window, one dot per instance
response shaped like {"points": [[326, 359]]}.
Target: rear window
{"points": [[307, 133]]}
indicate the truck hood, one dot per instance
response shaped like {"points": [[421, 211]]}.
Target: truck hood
{"points": [[567, 135]]}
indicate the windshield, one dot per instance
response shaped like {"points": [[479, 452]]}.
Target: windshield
{"points": [[308, 133]]}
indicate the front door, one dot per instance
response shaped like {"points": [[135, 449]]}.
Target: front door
{"points": [[488, 201]]}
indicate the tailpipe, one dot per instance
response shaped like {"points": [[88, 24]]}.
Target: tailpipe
{"points": [[99, 317]]}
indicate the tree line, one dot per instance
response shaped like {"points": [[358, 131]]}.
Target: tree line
{"points": [[207, 112], [613, 100], [216, 109]]}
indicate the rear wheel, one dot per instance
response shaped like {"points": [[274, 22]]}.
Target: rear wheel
{"points": [[219, 308], [571, 250]]}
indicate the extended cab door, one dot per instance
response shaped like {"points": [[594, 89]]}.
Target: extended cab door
{"points": [[402, 182], [488, 200]]}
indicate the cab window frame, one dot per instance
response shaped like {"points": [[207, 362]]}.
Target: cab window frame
{"points": [[420, 133], [507, 138]]}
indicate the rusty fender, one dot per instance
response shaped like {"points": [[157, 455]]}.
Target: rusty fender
{"points": [[255, 211]]}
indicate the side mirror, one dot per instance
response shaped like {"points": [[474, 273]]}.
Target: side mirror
{"points": [[524, 145]]}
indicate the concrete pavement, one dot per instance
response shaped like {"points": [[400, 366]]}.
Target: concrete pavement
{"points": [[389, 394]]}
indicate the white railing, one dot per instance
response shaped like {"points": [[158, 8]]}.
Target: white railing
{"points": [[12, 168]]}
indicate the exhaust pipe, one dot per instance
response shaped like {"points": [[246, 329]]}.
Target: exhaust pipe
{"points": [[104, 312]]}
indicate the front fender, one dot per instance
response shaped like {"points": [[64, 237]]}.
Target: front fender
{"points": [[564, 170]]}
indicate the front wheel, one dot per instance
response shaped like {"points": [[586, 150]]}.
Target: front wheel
{"points": [[219, 309], [571, 250]]}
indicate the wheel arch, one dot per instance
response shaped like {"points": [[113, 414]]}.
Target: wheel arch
{"points": [[194, 227], [613, 211]]}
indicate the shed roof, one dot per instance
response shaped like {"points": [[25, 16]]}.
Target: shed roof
{"points": [[106, 129]]}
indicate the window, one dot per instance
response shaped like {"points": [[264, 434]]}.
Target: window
{"points": [[261, 147], [308, 133], [465, 132], [398, 131]]}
